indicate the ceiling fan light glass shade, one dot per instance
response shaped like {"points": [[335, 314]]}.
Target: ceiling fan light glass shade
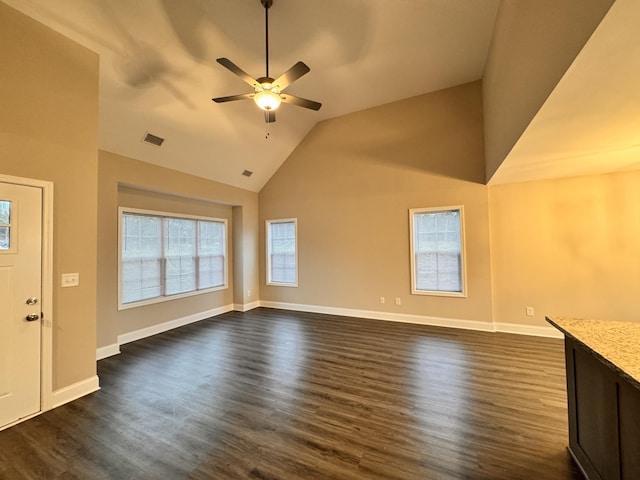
{"points": [[267, 100]]}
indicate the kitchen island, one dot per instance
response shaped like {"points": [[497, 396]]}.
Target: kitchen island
{"points": [[603, 396]]}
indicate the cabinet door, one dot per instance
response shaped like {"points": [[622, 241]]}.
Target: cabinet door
{"points": [[629, 413], [596, 428]]}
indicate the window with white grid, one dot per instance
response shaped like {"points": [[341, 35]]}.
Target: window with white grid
{"points": [[282, 255], [437, 251], [163, 256], [212, 256], [141, 258]]}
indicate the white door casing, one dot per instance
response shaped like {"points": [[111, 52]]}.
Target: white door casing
{"points": [[20, 280]]}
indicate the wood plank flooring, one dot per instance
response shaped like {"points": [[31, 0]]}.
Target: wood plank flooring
{"points": [[271, 394]]}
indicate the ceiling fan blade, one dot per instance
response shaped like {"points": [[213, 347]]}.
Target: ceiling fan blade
{"points": [[231, 98], [290, 76], [228, 64], [269, 116], [299, 101]]}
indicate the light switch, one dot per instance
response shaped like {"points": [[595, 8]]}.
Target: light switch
{"points": [[70, 279]]}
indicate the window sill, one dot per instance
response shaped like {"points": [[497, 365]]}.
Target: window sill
{"points": [[152, 301]]}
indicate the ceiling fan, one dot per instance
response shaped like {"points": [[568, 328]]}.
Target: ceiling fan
{"points": [[267, 92]]}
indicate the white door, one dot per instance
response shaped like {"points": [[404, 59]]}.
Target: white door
{"points": [[20, 309]]}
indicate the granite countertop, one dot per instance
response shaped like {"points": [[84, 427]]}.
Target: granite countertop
{"points": [[616, 343]]}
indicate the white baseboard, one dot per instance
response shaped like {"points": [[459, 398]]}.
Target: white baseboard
{"points": [[519, 329], [107, 351], [170, 325], [245, 307], [75, 391], [533, 330], [62, 396], [393, 317], [114, 348]]}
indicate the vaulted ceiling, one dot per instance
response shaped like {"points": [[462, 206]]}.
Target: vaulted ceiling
{"points": [[158, 73], [158, 69]]}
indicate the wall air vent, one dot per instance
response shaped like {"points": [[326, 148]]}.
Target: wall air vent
{"points": [[247, 173], [152, 139]]}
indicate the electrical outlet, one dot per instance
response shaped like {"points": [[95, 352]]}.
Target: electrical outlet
{"points": [[381, 299], [398, 301], [530, 312]]}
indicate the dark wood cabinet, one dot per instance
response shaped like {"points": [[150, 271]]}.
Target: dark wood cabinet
{"points": [[604, 416], [629, 421]]}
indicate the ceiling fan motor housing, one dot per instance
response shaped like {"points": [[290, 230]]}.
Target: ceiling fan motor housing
{"points": [[266, 83]]}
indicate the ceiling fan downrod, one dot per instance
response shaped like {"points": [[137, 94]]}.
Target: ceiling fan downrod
{"points": [[266, 4]]}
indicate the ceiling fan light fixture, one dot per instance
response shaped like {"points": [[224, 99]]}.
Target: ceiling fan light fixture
{"points": [[267, 100]]}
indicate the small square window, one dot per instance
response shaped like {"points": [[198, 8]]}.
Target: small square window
{"points": [[5, 238], [5, 212]]}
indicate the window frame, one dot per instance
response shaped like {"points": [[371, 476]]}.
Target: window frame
{"points": [[171, 215], [267, 236], [12, 226], [463, 272]]}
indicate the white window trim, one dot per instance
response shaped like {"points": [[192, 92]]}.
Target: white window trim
{"points": [[268, 262], [463, 256], [161, 299]]}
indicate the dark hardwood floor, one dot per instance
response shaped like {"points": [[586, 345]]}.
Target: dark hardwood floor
{"points": [[270, 394]]}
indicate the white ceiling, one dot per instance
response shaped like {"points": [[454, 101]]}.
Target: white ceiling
{"points": [[158, 71], [590, 123]]}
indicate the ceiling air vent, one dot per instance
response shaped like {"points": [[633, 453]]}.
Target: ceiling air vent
{"points": [[152, 139], [247, 173]]}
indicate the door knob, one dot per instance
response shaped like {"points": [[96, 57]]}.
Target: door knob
{"points": [[32, 301], [32, 317]]}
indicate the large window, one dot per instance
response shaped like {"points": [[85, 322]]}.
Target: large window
{"points": [[282, 259], [437, 251], [163, 256]]}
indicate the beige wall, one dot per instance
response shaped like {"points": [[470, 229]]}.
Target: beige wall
{"points": [[534, 42], [48, 131], [128, 182], [563, 247], [567, 247], [350, 184]]}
